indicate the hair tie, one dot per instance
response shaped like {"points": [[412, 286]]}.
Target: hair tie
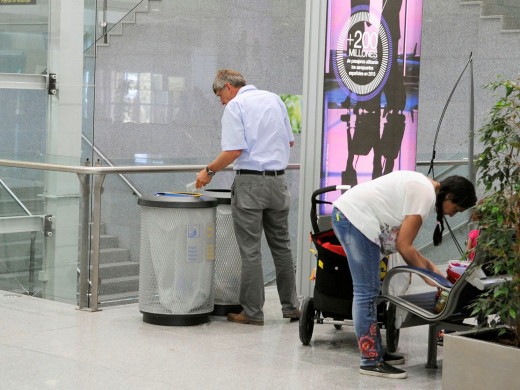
{"points": [[438, 222]]}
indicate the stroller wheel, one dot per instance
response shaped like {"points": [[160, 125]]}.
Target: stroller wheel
{"points": [[392, 333], [307, 320]]}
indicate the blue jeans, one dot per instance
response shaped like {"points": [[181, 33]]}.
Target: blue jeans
{"points": [[364, 258]]}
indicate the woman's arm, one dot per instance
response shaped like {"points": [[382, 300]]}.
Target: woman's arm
{"points": [[404, 243]]}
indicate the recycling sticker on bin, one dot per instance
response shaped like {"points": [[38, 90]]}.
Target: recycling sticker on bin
{"points": [[195, 244], [199, 244]]}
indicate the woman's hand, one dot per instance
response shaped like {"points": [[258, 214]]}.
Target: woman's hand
{"points": [[404, 242]]}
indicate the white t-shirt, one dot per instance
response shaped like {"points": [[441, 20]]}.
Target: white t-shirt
{"points": [[377, 208]]}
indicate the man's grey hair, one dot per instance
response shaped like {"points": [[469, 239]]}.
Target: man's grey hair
{"points": [[228, 76]]}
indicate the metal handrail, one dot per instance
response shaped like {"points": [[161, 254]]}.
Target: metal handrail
{"points": [[105, 159], [79, 169], [443, 162], [99, 174]]}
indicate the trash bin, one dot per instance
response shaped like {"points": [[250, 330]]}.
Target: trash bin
{"points": [[228, 262], [177, 267]]}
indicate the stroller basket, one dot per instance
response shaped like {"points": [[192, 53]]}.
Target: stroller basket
{"points": [[332, 272]]}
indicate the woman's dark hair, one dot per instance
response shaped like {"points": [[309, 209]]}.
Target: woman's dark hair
{"points": [[462, 194]]}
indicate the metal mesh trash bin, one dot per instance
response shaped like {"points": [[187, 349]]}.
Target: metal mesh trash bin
{"points": [[177, 267], [228, 262]]}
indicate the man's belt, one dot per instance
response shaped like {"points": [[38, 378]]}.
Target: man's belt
{"points": [[268, 173]]}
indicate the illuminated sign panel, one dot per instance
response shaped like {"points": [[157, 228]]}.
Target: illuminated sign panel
{"points": [[371, 89]]}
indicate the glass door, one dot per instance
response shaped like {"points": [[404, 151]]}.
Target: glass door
{"points": [[24, 34], [46, 90]]}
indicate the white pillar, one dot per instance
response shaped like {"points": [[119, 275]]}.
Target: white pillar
{"points": [[66, 19], [312, 121]]}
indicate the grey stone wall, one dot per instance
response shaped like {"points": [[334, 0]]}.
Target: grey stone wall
{"points": [[154, 97], [452, 30]]}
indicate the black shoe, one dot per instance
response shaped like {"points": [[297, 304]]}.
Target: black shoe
{"points": [[383, 370], [393, 359]]}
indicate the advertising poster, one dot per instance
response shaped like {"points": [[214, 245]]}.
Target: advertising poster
{"points": [[370, 90]]}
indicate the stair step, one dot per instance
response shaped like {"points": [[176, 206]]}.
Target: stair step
{"points": [[118, 299], [124, 16], [510, 24], [114, 270], [19, 264], [15, 280], [9, 208], [107, 241], [15, 249], [9, 238], [113, 255], [23, 188], [102, 228], [508, 14], [119, 285]]}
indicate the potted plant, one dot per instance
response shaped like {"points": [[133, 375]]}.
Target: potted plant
{"points": [[499, 218]]}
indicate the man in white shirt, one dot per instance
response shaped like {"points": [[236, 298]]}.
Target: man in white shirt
{"points": [[257, 137]]}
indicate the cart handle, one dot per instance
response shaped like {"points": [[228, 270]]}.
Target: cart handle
{"points": [[315, 201]]}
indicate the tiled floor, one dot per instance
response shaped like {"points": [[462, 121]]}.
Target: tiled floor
{"points": [[50, 345]]}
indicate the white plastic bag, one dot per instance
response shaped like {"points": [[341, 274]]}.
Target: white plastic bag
{"points": [[399, 283]]}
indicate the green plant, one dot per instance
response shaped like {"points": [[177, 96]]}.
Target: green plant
{"points": [[499, 172], [294, 109]]}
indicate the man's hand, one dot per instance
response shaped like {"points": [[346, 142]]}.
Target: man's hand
{"points": [[202, 179], [223, 160]]}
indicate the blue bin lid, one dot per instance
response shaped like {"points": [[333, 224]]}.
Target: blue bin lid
{"points": [[177, 200]]}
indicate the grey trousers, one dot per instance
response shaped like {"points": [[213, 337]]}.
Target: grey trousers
{"points": [[260, 202]]}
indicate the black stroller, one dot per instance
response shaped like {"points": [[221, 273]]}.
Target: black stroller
{"points": [[333, 289]]}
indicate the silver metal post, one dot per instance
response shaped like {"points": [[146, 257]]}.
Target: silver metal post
{"points": [[96, 228], [84, 179], [472, 176], [31, 262], [105, 23]]}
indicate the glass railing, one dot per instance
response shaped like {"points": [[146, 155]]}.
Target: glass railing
{"points": [[106, 249], [91, 256], [24, 37], [24, 30], [39, 251]]}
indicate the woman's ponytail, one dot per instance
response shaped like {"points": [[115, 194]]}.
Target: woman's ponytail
{"points": [[439, 229]]}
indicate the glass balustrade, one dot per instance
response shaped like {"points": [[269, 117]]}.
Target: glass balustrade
{"points": [[40, 226], [24, 37]]}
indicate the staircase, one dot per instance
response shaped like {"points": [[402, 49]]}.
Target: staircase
{"points": [[506, 10], [119, 275], [117, 15], [15, 248]]}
